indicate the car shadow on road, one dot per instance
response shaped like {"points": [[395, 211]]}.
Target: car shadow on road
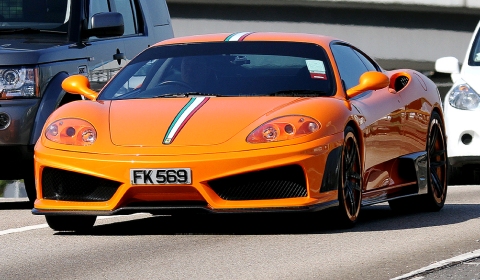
{"points": [[16, 205], [373, 218]]}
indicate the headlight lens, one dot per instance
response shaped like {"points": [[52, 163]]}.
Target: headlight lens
{"points": [[464, 97], [18, 82], [71, 132], [283, 128]]}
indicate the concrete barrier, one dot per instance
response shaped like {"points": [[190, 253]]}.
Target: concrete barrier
{"points": [[458, 6]]}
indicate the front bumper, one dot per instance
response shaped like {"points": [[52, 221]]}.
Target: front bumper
{"points": [[310, 157], [21, 114], [463, 136]]}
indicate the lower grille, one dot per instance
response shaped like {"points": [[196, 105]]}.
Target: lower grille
{"points": [[275, 183], [70, 186]]}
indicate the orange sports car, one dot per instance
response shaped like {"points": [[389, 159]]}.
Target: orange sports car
{"points": [[243, 122]]}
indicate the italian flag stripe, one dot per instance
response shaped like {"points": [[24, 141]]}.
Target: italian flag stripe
{"points": [[237, 36], [193, 105]]}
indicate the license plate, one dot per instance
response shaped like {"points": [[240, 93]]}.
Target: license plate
{"points": [[169, 176]]}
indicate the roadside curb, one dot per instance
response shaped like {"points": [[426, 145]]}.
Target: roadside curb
{"points": [[440, 265]]}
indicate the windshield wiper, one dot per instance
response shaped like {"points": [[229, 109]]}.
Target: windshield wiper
{"points": [[28, 30], [185, 94], [298, 93]]}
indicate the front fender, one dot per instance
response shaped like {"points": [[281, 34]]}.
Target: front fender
{"points": [[52, 96]]}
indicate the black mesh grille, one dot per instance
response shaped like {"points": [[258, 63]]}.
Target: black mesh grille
{"points": [[70, 186], [276, 183], [401, 82]]}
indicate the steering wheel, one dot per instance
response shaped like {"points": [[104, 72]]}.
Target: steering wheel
{"points": [[178, 83]]}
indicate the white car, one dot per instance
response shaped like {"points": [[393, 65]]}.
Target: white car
{"points": [[462, 111]]}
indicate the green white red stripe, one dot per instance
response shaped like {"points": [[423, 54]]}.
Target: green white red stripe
{"points": [[237, 37], [193, 105]]}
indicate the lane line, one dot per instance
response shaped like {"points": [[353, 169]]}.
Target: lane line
{"points": [[441, 264], [40, 226]]}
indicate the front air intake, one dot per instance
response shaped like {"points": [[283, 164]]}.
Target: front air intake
{"points": [[64, 185], [275, 183]]}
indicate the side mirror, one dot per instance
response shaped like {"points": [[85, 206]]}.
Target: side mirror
{"points": [[448, 65], [106, 25], [369, 81], [79, 84]]}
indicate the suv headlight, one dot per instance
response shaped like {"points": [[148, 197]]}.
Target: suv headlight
{"points": [[464, 97], [18, 82]]}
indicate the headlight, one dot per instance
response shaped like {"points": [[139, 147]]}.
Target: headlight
{"points": [[18, 82], [464, 97], [283, 128], [71, 132]]}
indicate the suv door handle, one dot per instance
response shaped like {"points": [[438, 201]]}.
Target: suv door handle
{"points": [[119, 56]]}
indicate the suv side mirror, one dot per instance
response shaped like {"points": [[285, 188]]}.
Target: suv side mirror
{"points": [[106, 25], [371, 80], [448, 65]]}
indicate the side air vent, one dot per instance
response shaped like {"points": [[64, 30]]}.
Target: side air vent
{"points": [[401, 82]]}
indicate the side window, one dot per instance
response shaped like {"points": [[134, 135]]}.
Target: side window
{"points": [[125, 7], [127, 10], [367, 62], [97, 6], [349, 64]]}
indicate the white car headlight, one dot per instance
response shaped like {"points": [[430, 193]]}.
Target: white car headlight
{"points": [[464, 97], [18, 82]]}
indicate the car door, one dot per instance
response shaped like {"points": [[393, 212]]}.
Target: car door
{"points": [[108, 55], [380, 111]]}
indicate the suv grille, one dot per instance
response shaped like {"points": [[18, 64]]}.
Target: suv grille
{"points": [[275, 183], [70, 186]]}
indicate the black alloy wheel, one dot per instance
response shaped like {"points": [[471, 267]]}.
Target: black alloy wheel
{"points": [[437, 165], [350, 189]]}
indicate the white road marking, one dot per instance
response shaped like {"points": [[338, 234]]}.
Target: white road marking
{"points": [[40, 226], [441, 264]]}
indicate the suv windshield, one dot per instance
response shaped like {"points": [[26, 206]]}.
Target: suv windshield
{"points": [[225, 69], [28, 15]]}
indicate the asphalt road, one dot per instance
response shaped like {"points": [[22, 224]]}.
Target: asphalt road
{"points": [[383, 245]]}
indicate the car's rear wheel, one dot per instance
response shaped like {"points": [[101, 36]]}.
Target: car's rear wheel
{"points": [[70, 222], [437, 165], [350, 189]]}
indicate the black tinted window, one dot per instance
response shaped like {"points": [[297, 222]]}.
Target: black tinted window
{"points": [[349, 65], [369, 64], [126, 9], [226, 69], [45, 15]]}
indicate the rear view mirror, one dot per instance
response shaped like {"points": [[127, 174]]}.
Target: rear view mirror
{"points": [[448, 65], [369, 81], [79, 84], [106, 25]]}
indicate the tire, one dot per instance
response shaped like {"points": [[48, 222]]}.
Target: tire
{"points": [[71, 222], [350, 187], [30, 189], [437, 164]]}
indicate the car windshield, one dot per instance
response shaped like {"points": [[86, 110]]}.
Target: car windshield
{"points": [[34, 15], [474, 57], [224, 69]]}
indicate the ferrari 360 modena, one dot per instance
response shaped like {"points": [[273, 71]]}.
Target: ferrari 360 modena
{"points": [[247, 122]]}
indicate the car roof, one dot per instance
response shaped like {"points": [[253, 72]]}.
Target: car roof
{"points": [[323, 41]]}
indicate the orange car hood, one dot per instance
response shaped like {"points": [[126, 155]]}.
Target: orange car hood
{"points": [[205, 121]]}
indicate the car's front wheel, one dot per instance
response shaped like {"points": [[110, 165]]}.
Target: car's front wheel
{"points": [[350, 188], [70, 222]]}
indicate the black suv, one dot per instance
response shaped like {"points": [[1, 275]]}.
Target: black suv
{"points": [[44, 41]]}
